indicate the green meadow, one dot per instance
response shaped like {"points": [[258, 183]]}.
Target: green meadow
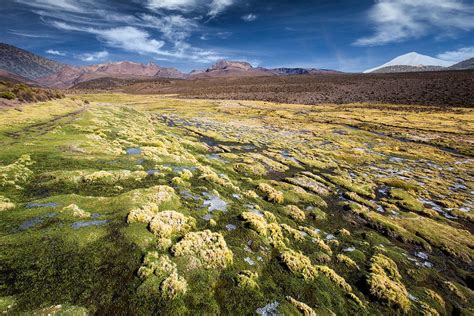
{"points": [[119, 204]]}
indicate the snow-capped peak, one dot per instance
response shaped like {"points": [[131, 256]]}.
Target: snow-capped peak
{"points": [[414, 59]]}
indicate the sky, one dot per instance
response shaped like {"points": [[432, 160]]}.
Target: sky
{"points": [[346, 35]]}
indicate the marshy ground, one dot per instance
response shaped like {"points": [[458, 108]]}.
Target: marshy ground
{"points": [[119, 204]]}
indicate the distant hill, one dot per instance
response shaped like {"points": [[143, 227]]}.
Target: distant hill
{"points": [[302, 71], [226, 68], [70, 76], [413, 62], [464, 65], [26, 64], [13, 78]]}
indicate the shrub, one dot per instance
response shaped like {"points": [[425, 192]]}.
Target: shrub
{"points": [[427, 310], [161, 267], [275, 236], [435, 297], [385, 283], [255, 169], [169, 223], [409, 202], [153, 263], [247, 279], [144, 214], [250, 194], [270, 193], [302, 307], [16, 173], [299, 264], [334, 277], [344, 232], [294, 212], [347, 261], [7, 95], [296, 234], [5, 204], [76, 211], [272, 231], [256, 222], [173, 286], [208, 247]]}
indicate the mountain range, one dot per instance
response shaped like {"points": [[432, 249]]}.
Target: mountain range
{"points": [[20, 65]]}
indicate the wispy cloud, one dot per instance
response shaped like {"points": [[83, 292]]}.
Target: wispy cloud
{"points": [[249, 17], [400, 20], [31, 35], [219, 35], [162, 34], [131, 39], [139, 41], [175, 28], [217, 6], [55, 52], [62, 5], [458, 55], [93, 57], [209, 7], [176, 5]]}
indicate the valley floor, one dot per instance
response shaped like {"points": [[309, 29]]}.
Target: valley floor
{"points": [[120, 204]]}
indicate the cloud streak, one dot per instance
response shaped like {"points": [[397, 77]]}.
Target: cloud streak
{"points": [[249, 17], [93, 57], [209, 7], [458, 55], [162, 34], [139, 41], [55, 52], [400, 20]]}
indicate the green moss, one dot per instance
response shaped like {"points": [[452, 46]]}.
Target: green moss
{"points": [[356, 198], [407, 201], [80, 163], [209, 249], [270, 193], [7, 95], [385, 283], [247, 279], [402, 184], [362, 189], [299, 264]]}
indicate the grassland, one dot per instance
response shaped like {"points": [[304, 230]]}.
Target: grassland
{"points": [[119, 204]]}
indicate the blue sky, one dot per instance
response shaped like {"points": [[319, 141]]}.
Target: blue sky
{"points": [[347, 35]]}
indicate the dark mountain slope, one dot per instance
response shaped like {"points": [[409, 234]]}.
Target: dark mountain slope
{"points": [[26, 64]]}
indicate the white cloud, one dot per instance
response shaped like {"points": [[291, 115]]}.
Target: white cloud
{"points": [[163, 35], [55, 52], [29, 34], [218, 35], [217, 6], [210, 7], [174, 28], [131, 39], [399, 20], [62, 5], [93, 56], [177, 5], [458, 55], [249, 17]]}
